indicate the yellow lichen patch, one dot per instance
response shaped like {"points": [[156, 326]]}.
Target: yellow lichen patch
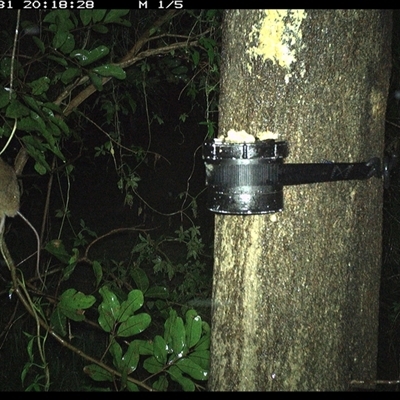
{"points": [[278, 36]]}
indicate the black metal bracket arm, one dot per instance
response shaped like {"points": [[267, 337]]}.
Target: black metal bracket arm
{"points": [[248, 178]]}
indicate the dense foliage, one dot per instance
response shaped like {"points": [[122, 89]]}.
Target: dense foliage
{"points": [[82, 94]]}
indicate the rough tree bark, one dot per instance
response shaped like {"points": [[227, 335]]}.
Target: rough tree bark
{"points": [[295, 295]]}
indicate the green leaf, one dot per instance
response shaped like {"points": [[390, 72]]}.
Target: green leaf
{"points": [[86, 16], [204, 342], [100, 28], [40, 168], [54, 107], [40, 86], [193, 328], [39, 44], [59, 38], [115, 16], [116, 352], [152, 365], [174, 333], [109, 309], [57, 249], [96, 80], [161, 384], [97, 373], [132, 387], [130, 359], [69, 44], [27, 124], [98, 272], [56, 15], [134, 325], [69, 74], [195, 57], [60, 123], [98, 15], [86, 57], [128, 307], [59, 60], [202, 358], [144, 347], [4, 97], [72, 304], [16, 110], [194, 370], [111, 70], [58, 322], [160, 349], [176, 375], [158, 292], [140, 278]]}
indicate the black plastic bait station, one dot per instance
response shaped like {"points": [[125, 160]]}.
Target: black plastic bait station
{"points": [[248, 178]]}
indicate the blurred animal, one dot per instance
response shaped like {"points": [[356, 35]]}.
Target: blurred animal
{"points": [[9, 203]]}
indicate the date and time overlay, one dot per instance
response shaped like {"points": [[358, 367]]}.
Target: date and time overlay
{"points": [[85, 4]]}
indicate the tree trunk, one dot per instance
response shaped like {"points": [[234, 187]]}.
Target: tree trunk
{"points": [[295, 294]]}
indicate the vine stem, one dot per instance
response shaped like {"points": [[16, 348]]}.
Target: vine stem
{"points": [[23, 295]]}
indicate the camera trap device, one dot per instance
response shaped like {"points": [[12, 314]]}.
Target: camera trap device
{"points": [[248, 178]]}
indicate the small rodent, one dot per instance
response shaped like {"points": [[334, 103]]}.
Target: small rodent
{"points": [[9, 202]]}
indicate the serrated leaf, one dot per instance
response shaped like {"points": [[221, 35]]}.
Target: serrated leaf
{"points": [[134, 301], [193, 328], [57, 249], [97, 373], [194, 370], [152, 365], [110, 70], [109, 309], [158, 292], [86, 57], [115, 15], [140, 278], [160, 349], [176, 375], [134, 325]]}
